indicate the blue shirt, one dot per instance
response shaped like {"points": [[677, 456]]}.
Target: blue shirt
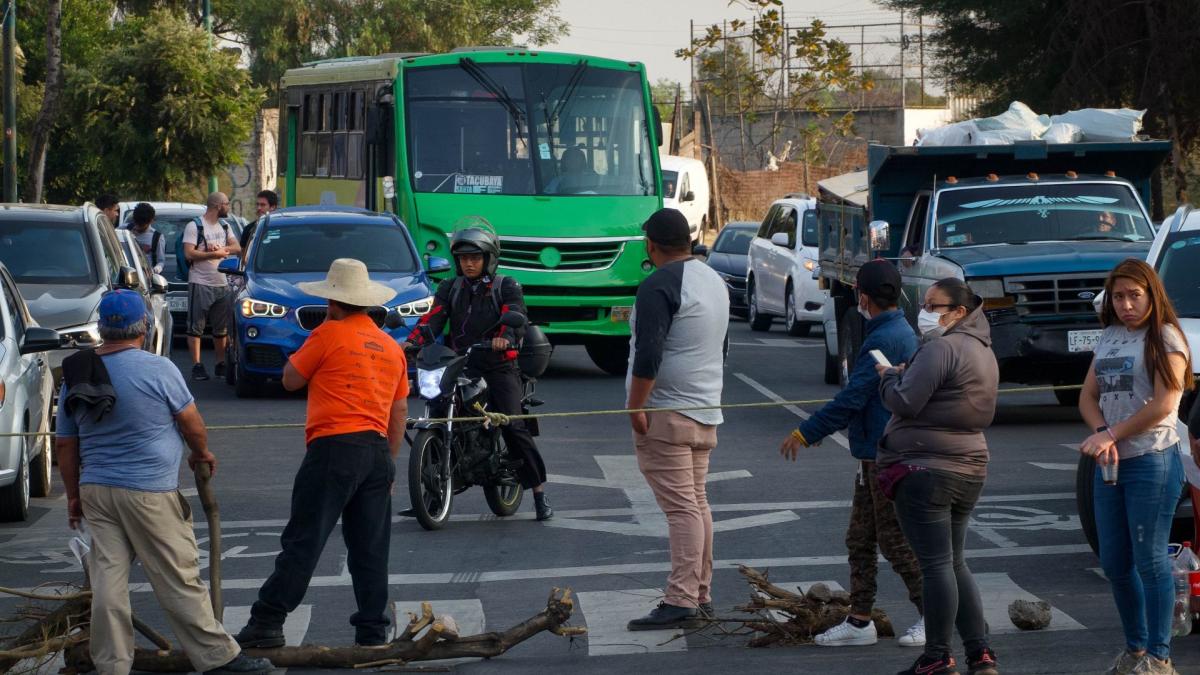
{"points": [[858, 408], [137, 445]]}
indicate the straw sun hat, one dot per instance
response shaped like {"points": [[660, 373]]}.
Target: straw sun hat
{"points": [[348, 283]]}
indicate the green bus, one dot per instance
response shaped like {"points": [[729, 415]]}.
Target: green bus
{"points": [[558, 152]]}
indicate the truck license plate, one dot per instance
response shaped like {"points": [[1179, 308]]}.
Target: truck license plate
{"points": [[1083, 340], [177, 303], [620, 313]]}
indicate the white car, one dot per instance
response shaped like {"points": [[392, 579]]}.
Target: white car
{"points": [[783, 257], [685, 189], [1175, 254], [26, 389]]}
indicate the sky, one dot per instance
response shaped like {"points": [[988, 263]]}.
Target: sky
{"points": [[651, 30]]}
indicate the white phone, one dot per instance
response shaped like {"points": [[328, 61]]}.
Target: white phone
{"points": [[880, 358]]}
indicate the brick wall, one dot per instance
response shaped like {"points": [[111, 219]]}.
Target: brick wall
{"points": [[746, 195]]}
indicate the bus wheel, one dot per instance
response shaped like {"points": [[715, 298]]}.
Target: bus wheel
{"points": [[610, 354]]}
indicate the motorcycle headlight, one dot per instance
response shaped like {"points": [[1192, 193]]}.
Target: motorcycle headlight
{"points": [[252, 308], [87, 335], [416, 307], [429, 382]]}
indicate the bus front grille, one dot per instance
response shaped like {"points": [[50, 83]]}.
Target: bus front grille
{"points": [[582, 256]]}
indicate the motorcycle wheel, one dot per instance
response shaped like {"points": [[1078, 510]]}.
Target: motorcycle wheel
{"points": [[429, 481], [503, 500]]}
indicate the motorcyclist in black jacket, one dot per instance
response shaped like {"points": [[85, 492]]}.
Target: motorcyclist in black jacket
{"points": [[470, 305]]}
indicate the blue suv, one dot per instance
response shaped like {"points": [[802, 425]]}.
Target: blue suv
{"points": [[271, 315]]}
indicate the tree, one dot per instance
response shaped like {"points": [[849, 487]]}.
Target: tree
{"points": [[40, 136], [1056, 56], [159, 109]]}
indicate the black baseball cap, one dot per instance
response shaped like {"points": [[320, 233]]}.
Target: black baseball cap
{"points": [[668, 227], [879, 280]]}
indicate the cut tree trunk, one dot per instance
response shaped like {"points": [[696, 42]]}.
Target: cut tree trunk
{"points": [[39, 139]]}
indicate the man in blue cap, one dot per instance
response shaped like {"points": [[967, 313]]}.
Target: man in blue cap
{"points": [[121, 416]]}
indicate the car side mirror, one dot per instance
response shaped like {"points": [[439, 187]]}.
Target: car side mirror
{"points": [[158, 284], [231, 266], [780, 239], [393, 320], [688, 196], [700, 250], [513, 319], [127, 278], [38, 339], [879, 235], [437, 265]]}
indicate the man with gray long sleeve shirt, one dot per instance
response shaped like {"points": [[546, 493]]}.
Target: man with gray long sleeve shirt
{"points": [[678, 327]]}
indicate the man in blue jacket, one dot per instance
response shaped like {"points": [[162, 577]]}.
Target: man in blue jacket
{"points": [[859, 409]]}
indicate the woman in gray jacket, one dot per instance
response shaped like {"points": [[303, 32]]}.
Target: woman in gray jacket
{"points": [[933, 460]]}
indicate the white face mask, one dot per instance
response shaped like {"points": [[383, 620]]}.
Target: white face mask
{"points": [[865, 314], [930, 323]]}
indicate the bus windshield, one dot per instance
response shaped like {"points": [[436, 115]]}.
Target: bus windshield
{"points": [[1016, 214], [525, 129]]}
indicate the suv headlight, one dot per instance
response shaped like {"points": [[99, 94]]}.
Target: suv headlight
{"points": [[87, 335], [416, 307], [252, 308]]}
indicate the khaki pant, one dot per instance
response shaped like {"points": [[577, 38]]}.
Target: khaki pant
{"points": [[673, 456], [156, 528]]}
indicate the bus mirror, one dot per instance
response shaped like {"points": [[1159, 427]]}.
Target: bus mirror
{"points": [[658, 125]]}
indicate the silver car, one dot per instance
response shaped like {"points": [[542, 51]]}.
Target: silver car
{"points": [[26, 388], [153, 288]]}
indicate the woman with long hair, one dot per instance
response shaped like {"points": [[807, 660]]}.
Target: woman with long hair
{"points": [[1130, 400], [932, 461]]}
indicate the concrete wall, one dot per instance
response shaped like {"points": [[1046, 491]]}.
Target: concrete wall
{"points": [[258, 170]]}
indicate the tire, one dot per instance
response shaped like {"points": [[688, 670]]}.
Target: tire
{"points": [[758, 321], [1068, 398], [609, 354], [430, 485], [231, 376], [1084, 486], [833, 367], [39, 467], [503, 500], [795, 327], [849, 342], [14, 499], [245, 385]]}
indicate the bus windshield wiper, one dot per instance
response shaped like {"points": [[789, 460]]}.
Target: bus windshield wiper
{"points": [[568, 92], [497, 90]]}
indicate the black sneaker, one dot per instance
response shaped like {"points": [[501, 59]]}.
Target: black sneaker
{"points": [[219, 369], [199, 373], [983, 662], [665, 616], [924, 665], [542, 507], [243, 664], [259, 636]]}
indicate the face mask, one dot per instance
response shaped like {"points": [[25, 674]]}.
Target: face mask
{"points": [[930, 323], [865, 314]]}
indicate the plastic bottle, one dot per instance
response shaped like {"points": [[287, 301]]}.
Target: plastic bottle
{"points": [[1183, 565], [1191, 562]]}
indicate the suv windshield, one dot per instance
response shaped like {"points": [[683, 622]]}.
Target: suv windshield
{"points": [[1179, 269], [734, 240], [311, 248], [524, 129], [1008, 214], [47, 253]]}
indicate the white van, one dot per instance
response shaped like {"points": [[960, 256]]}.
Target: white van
{"points": [[685, 188]]}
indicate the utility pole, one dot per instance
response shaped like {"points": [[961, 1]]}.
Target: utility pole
{"points": [[212, 180], [10, 101]]}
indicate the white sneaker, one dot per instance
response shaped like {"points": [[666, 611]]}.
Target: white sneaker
{"points": [[914, 636], [846, 634]]}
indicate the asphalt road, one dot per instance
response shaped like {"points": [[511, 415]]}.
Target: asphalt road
{"points": [[609, 544]]}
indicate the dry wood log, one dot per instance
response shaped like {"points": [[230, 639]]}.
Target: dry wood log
{"points": [[58, 623], [152, 635], [212, 512], [449, 630], [416, 623]]}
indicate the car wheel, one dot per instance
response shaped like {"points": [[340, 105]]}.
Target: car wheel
{"points": [[833, 367], [231, 376], [245, 385], [1068, 398], [39, 467], [14, 498], [758, 321], [795, 328]]}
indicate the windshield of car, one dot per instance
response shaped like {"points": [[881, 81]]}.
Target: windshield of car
{"points": [[734, 240], [296, 248], [1039, 212], [670, 182], [524, 129], [1179, 269], [47, 253]]}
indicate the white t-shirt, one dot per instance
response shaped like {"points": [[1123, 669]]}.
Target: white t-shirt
{"points": [[204, 272], [1126, 386]]}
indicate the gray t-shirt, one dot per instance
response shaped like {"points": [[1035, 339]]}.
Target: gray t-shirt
{"points": [[145, 240], [1126, 386], [216, 235]]}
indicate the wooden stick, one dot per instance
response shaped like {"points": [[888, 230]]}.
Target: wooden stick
{"points": [[57, 623], [154, 636], [46, 598], [418, 623], [212, 513]]}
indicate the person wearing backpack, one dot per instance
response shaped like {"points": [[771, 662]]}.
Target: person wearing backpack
{"points": [[470, 306], [150, 240], [206, 242]]}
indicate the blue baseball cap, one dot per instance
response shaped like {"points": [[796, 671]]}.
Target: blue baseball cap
{"points": [[121, 309]]}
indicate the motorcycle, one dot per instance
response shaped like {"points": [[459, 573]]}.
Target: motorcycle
{"points": [[447, 458]]}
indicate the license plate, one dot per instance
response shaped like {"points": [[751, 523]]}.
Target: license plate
{"points": [[1083, 340], [177, 303], [621, 313]]}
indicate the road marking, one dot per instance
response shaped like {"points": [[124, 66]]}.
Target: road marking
{"points": [[608, 612], [1054, 466], [773, 518], [997, 591], [295, 626], [838, 437]]}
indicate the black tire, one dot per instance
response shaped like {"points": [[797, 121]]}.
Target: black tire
{"points": [[849, 342], [1068, 398], [503, 500], [833, 367], [245, 385], [1085, 475], [795, 327], [758, 321], [610, 354], [231, 377], [14, 498], [39, 467], [430, 485]]}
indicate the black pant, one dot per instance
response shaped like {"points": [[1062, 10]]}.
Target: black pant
{"points": [[934, 508], [348, 475], [504, 395]]}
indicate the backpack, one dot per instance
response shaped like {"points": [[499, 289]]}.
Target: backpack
{"points": [[460, 286], [181, 263]]}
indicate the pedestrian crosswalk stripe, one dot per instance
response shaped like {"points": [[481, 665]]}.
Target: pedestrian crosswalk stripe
{"points": [[295, 627], [997, 590], [608, 612]]}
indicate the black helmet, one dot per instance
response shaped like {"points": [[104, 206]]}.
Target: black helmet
{"points": [[476, 240]]}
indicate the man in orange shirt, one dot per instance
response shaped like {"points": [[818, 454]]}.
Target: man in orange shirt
{"points": [[357, 385]]}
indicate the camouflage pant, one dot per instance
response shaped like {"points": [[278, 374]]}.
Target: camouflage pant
{"points": [[873, 523]]}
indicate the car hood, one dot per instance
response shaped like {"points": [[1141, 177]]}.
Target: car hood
{"points": [[1044, 257], [729, 263], [62, 305], [283, 289]]}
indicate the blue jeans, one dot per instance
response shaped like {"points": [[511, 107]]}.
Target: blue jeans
{"points": [[1133, 523]]}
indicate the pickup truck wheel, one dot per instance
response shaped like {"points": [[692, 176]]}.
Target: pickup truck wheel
{"points": [[849, 342], [758, 321], [833, 367], [794, 327], [1068, 398], [1084, 485]]}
